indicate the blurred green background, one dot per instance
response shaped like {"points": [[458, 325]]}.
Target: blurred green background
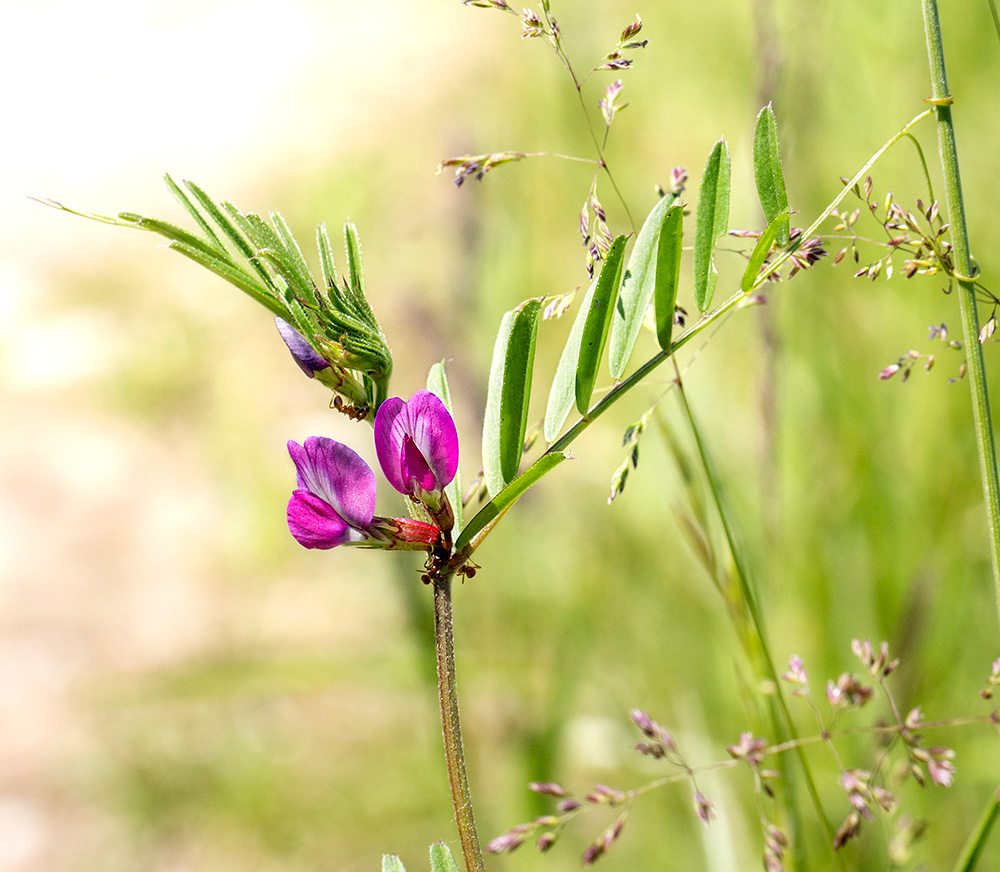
{"points": [[183, 688]]}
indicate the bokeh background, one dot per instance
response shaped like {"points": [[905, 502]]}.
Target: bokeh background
{"points": [[183, 688]]}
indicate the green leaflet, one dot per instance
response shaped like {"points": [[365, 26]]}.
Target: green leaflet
{"points": [[392, 863], [711, 222], [668, 272], [479, 527], [563, 389], [508, 395], [491, 422], [595, 329], [441, 859], [761, 250], [767, 170], [437, 384], [638, 280]]}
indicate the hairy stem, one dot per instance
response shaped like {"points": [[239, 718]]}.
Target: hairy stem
{"points": [[965, 269], [458, 779]]}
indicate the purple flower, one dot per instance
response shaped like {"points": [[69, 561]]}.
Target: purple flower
{"points": [[308, 359], [334, 502], [417, 446]]}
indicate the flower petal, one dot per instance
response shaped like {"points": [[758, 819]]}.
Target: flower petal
{"points": [[389, 441], [315, 524], [416, 442], [434, 433], [337, 475], [308, 359]]}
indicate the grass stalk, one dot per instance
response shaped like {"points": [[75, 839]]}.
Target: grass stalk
{"points": [[974, 847], [756, 623], [965, 269]]}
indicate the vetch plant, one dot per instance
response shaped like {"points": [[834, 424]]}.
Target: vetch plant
{"points": [[634, 281]]}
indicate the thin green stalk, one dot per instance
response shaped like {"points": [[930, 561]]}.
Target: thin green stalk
{"points": [[966, 270], [458, 779], [977, 839], [756, 619]]}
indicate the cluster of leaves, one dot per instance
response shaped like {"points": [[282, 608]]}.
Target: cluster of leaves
{"points": [[266, 263], [865, 788]]}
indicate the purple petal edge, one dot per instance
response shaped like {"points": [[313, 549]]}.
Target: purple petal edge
{"points": [[305, 356]]}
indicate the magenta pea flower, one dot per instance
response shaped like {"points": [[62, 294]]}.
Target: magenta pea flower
{"points": [[417, 446], [334, 503]]}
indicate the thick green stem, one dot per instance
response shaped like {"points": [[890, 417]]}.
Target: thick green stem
{"points": [[458, 779], [965, 269]]}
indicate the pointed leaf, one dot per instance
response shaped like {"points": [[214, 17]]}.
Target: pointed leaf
{"points": [[638, 280], [761, 250], [517, 387], [326, 258], [486, 518], [508, 395], [228, 228], [767, 170], [194, 212], [437, 384], [235, 276], [563, 390], [355, 270], [595, 329], [494, 393], [441, 859], [392, 863], [668, 272], [294, 256], [711, 222]]}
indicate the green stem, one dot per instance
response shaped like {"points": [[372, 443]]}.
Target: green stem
{"points": [[966, 269], [977, 839], [458, 779]]}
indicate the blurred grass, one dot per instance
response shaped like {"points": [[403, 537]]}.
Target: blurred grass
{"points": [[291, 724]]}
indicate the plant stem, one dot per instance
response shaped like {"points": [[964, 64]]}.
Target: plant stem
{"points": [[966, 270], [458, 779]]}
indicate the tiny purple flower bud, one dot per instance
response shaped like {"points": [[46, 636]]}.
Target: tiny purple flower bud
{"points": [[334, 502], [305, 356], [417, 445]]}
